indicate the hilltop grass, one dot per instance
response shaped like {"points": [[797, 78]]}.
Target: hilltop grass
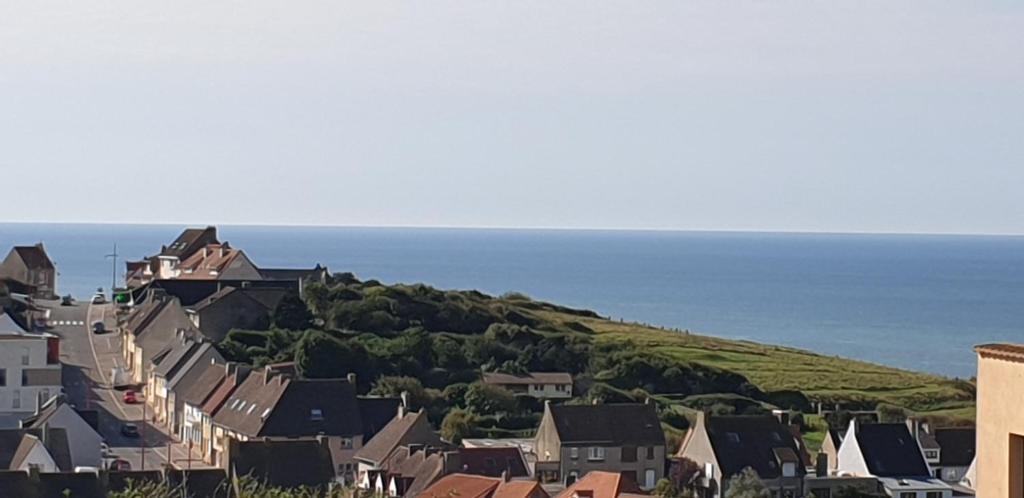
{"points": [[822, 378]]}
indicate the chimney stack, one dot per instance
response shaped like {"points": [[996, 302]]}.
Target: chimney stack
{"points": [[352, 378], [821, 466]]}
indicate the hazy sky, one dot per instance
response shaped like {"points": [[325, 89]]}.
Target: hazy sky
{"points": [[771, 115]]}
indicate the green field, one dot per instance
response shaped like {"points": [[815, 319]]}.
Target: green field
{"points": [[822, 378]]}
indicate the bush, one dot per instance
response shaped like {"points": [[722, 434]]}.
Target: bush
{"points": [[458, 425], [486, 399]]}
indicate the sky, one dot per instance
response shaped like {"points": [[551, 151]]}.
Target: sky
{"points": [[866, 116]]}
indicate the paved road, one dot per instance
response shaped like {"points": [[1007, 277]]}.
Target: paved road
{"points": [[88, 360]]}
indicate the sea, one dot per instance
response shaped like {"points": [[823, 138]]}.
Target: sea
{"points": [[919, 302]]}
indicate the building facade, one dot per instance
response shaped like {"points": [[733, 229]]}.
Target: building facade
{"points": [[1000, 421], [30, 371]]}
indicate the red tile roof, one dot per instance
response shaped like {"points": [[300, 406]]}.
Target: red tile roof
{"points": [[208, 262], [599, 484], [1013, 352], [469, 486]]}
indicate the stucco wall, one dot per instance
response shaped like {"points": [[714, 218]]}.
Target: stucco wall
{"points": [[1000, 389]]}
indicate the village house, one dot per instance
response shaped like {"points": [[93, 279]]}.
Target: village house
{"points": [[553, 385], [723, 446], [235, 308], [164, 264], [213, 448], [45, 450], [181, 363], [891, 454], [999, 468], [148, 330], [32, 267], [956, 452], [30, 370], [573, 440], [273, 403], [407, 428], [470, 486], [412, 468], [82, 437]]}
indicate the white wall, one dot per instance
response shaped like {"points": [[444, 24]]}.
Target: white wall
{"points": [[15, 398]]}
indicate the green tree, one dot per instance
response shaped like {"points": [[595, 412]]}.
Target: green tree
{"points": [[320, 356], [458, 425], [292, 314], [394, 386], [746, 484], [486, 399]]}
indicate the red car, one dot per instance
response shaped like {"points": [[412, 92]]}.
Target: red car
{"points": [[131, 397]]}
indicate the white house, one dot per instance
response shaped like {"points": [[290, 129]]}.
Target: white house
{"points": [[548, 385], [30, 370], [889, 453]]}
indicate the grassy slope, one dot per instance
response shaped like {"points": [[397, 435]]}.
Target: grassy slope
{"points": [[772, 368]]}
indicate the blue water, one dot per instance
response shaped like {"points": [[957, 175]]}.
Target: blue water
{"points": [[918, 302]]}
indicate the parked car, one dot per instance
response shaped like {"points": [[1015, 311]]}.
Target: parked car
{"points": [[131, 397], [119, 464], [130, 430], [67, 300], [98, 328], [99, 298], [105, 451]]}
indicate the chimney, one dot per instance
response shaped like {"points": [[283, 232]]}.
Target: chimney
{"points": [[405, 399], [821, 466], [914, 426], [504, 475], [352, 378]]}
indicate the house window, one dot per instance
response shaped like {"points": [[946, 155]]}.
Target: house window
{"points": [[538, 387], [346, 443], [650, 452], [574, 453], [788, 469], [571, 478], [316, 414], [595, 453], [931, 454], [16, 399], [629, 453], [25, 356], [732, 437], [908, 495], [933, 494]]}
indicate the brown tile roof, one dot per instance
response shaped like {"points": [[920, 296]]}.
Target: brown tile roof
{"points": [[1014, 352], [520, 489], [492, 462], [411, 428], [600, 484], [530, 378], [203, 388], [462, 486], [34, 257], [219, 395], [208, 262]]}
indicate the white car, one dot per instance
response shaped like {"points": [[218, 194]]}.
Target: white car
{"points": [[99, 298]]}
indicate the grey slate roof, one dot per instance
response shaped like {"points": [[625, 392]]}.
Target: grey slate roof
{"points": [[411, 428], [198, 391], [890, 451], [759, 442], [278, 405], [610, 424], [957, 446]]}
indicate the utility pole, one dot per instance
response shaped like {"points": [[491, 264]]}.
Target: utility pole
{"points": [[142, 434], [113, 270]]}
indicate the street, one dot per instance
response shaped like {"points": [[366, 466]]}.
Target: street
{"points": [[88, 359]]}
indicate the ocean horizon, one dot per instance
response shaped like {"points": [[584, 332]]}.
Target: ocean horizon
{"points": [[914, 301]]}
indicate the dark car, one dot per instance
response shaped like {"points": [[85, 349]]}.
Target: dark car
{"points": [[67, 300], [98, 328], [130, 430], [119, 464]]}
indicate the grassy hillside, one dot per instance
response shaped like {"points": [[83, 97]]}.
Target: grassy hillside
{"points": [[773, 368], [435, 343]]}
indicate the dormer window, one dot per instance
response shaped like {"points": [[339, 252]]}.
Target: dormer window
{"points": [[316, 414], [732, 437]]}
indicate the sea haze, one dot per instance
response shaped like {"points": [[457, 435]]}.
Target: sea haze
{"points": [[911, 301]]}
